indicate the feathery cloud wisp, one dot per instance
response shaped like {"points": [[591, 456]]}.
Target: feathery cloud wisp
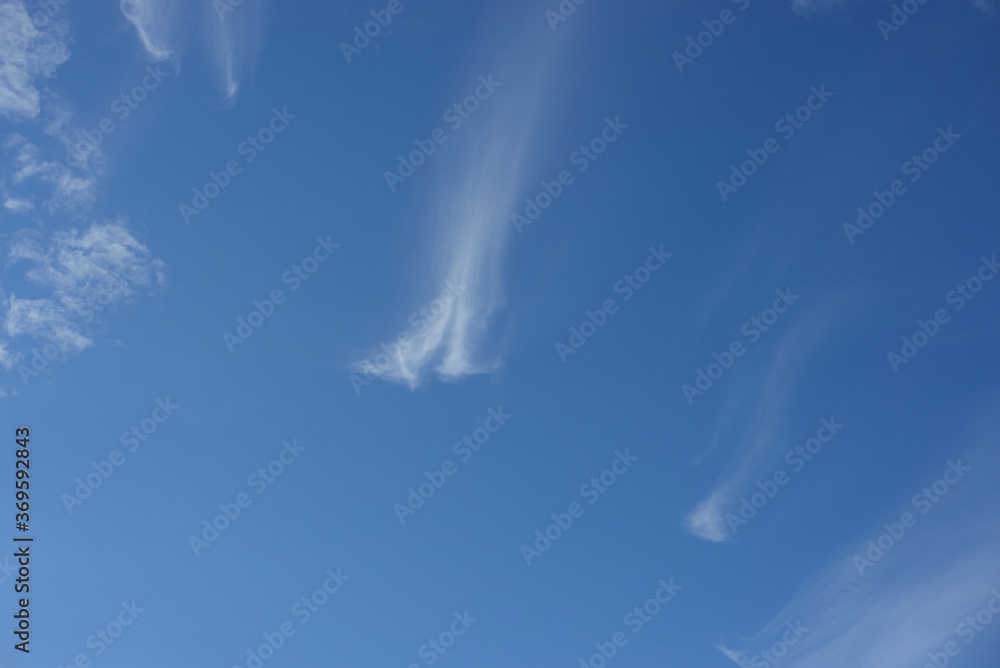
{"points": [[81, 273], [153, 21], [473, 227], [28, 53]]}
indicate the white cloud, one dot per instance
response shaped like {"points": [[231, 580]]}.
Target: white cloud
{"points": [[764, 432], [232, 33], [811, 7], [153, 21], [927, 582], [15, 205], [7, 358], [28, 53], [234, 37], [892, 620], [81, 273], [71, 192], [471, 226], [43, 320], [106, 259]]}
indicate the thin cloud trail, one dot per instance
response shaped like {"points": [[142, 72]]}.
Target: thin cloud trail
{"points": [[471, 227]]}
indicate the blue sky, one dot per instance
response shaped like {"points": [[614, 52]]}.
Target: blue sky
{"points": [[615, 334]]}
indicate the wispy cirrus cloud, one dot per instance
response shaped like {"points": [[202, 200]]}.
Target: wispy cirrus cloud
{"points": [[72, 191], [765, 420], [232, 34], [235, 41], [70, 275], [471, 229], [915, 600], [29, 54], [812, 7], [153, 21], [77, 273]]}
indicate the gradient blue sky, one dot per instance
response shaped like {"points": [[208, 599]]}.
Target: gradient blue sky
{"points": [[109, 230]]}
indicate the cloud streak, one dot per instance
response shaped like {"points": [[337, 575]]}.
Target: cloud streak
{"points": [[80, 274], [764, 435], [914, 602], [471, 228], [232, 34], [153, 22], [28, 55]]}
